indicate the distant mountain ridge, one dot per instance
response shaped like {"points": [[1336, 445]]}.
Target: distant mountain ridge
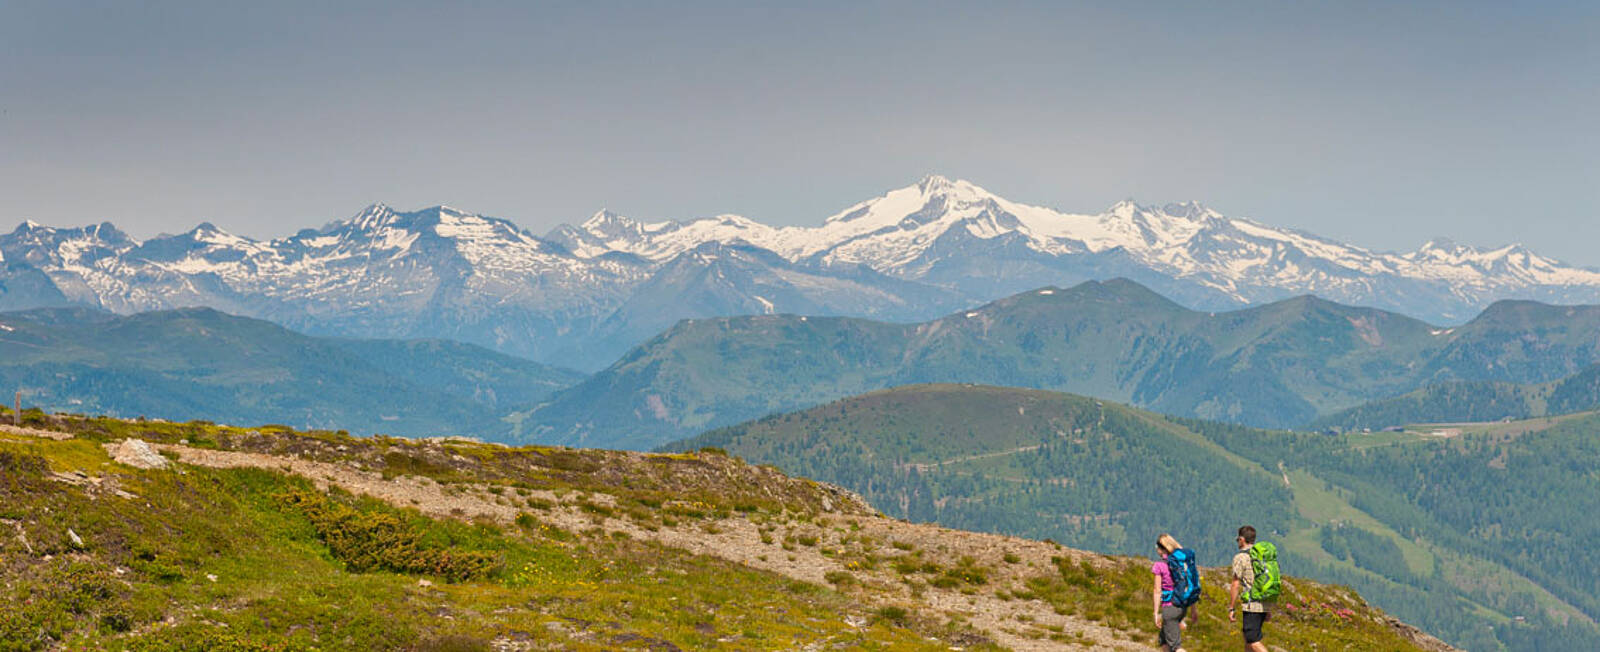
{"points": [[1281, 364], [200, 363], [1473, 401], [581, 295], [934, 230]]}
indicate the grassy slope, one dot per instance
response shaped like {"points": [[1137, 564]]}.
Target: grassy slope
{"points": [[207, 558], [979, 434], [141, 577], [199, 363]]}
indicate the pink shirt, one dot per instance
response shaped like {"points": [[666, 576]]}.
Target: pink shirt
{"points": [[1160, 570]]}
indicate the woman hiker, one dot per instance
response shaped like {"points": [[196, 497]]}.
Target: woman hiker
{"points": [[1169, 617]]}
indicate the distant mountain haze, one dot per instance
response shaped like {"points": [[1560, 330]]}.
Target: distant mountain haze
{"points": [[1280, 364], [580, 296], [198, 363]]}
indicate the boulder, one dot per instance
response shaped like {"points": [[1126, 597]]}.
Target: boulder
{"points": [[138, 454]]}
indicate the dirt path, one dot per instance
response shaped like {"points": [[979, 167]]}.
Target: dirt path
{"points": [[738, 539], [34, 432], [928, 466]]}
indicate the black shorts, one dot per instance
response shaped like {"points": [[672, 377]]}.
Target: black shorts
{"points": [[1252, 625]]}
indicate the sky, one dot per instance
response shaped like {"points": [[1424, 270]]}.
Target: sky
{"points": [[1380, 124]]}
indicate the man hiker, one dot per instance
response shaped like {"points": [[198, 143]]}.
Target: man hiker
{"points": [[1256, 584]]}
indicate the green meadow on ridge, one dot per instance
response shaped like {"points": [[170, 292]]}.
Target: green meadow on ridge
{"points": [[270, 539]]}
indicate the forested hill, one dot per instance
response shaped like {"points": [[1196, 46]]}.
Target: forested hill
{"points": [[1461, 535], [198, 363], [1473, 401], [1039, 464], [1277, 365]]}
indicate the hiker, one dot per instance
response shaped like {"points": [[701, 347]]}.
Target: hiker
{"points": [[1256, 584], [1175, 590]]}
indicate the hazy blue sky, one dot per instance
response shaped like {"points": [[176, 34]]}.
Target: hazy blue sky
{"points": [[1375, 123]]}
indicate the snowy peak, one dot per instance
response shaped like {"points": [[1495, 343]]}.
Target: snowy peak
{"points": [[1443, 249], [935, 185], [47, 247], [609, 225], [1190, 210], [932, 192], [104, 234], [607, 232], [208, 234], [371, 218], [908, 232], [1442, 257], [1448, 252]]}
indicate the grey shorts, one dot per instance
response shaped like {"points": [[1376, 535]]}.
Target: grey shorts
{"points": [[1172, 625]]}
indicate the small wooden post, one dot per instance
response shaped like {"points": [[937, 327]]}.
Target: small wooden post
{"points": [[16, 417]]}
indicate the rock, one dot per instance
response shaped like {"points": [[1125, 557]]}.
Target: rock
{"points": [[138, 454], [211, 577], [77, 541], [424, 583]]}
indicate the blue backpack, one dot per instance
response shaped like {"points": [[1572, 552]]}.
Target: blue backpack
{"points": [[1185, 579]]}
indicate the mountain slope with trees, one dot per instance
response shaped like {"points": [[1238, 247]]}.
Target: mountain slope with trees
{"points": [[1467, 401], [1461, 535], [1278, 365]]}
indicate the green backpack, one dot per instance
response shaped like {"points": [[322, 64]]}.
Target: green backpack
{"points": [[1268, 584]]}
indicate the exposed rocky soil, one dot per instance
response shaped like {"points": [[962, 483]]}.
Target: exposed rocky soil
{"points": [[738, 539]]}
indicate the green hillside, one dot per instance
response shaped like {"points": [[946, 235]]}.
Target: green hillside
{"points": [[1461, 536], [268, 539], [1025, 462], [199, 363], [1468, 402], [1276, 365]]}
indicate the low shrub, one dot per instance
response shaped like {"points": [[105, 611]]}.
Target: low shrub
{"points": [[383, 540]]}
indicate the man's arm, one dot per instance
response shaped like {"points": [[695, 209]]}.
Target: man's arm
{"points": [[1233, 597]]}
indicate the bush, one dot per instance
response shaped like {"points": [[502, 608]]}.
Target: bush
{"points": [[20, 463], [454, 643], [382, 540]]}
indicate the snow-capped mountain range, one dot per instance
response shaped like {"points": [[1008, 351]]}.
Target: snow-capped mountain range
{"points": [[581, 295]]}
